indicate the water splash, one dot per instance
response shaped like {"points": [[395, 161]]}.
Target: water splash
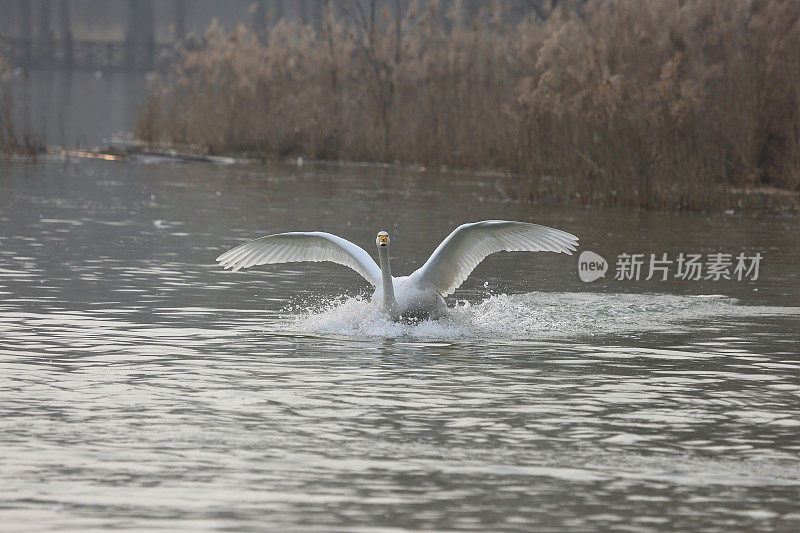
{"points": [[531, 316]]}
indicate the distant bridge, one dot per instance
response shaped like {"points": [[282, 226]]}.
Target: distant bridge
{"points": [[87, 55]]}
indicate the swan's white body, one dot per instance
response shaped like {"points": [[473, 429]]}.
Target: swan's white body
{"points": [[420, 295]]}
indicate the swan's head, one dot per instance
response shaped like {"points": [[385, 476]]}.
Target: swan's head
{"points": [[382, 239]]}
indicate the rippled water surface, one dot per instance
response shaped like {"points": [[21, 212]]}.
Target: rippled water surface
{"points": [[143, 387]]}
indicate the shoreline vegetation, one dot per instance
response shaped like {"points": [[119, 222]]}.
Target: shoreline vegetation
{"points": [[666, 104]]}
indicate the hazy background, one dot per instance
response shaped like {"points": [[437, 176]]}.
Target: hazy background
{"points": [[112, 19], [678, 105], [94, 97]]}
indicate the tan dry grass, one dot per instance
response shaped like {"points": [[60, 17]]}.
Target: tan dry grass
{"points": [[664, 103]]}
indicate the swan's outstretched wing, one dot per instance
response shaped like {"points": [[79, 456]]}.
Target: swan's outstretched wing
{"points": [[469, 244], [302, 246]]}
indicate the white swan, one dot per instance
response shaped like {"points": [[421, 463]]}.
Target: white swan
{"points": [[420, 295]]}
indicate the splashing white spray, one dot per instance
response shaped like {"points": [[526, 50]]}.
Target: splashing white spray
{"points": [[531, 316]]}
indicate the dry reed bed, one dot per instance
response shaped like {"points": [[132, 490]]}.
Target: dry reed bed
{"points": [[665, 103]]}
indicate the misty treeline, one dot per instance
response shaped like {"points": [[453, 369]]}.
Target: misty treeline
{"points": [[13, 141], [664, 103]]}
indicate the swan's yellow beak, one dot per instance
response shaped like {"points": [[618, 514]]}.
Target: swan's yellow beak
{"points": [[383, 240]]}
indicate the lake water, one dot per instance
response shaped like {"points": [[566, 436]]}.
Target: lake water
{"points": [[143, 387]]}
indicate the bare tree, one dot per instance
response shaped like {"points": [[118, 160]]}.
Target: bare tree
{"points": [[363, 15], [180, 19], [25, 30], [316, 13], [259, 18], [277, 10], [66, 31], [140, 34], [540, 7], [44, 34]]}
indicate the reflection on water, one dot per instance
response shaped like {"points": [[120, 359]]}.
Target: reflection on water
{"points": [[145, 387]]}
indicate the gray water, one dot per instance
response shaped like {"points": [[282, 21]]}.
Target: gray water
{"points": [[143, 387]]}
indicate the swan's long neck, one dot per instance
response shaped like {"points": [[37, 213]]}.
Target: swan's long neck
{"points": [[389, 302]]}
